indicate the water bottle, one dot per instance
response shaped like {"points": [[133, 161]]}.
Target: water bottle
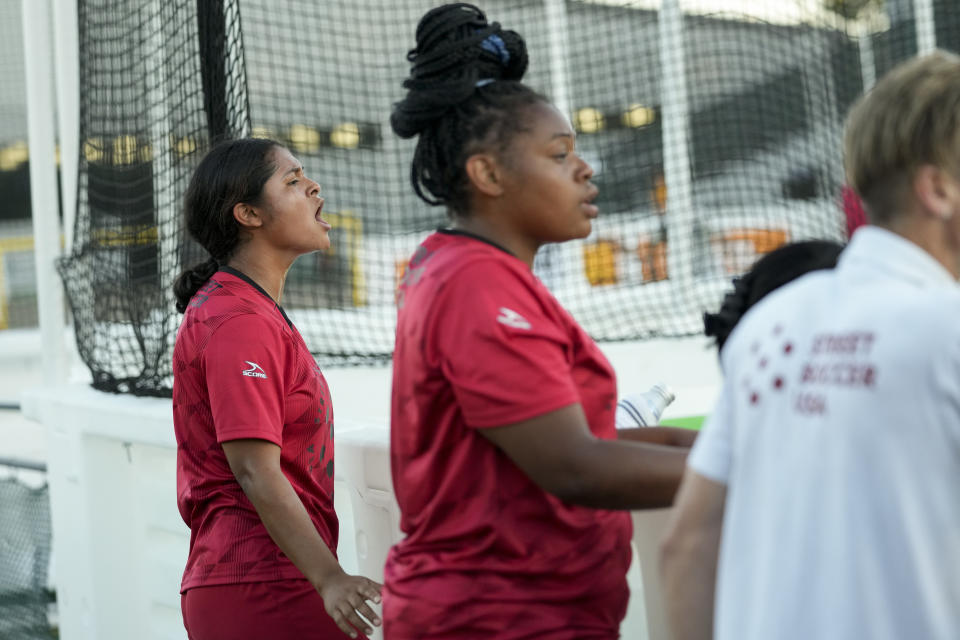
{"points": [[644, 409]]}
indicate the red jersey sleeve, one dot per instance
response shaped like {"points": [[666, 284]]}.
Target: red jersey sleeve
{"points": [[244, 367], [502, 347]]}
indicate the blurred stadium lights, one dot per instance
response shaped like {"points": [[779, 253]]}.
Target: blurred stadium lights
{"points": [[345, 136], [638, 115], [592, 120], [304, 139], [185, 146], [127, 149], [124, 149], [93, 150], [14, 155], [588, 120], [261, 132]]}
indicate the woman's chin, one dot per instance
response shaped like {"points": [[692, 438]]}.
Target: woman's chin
{"points": [[584, 229]]}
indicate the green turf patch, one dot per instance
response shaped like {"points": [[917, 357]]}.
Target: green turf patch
{"points": [[688, 422]]}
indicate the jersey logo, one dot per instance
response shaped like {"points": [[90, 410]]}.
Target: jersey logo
{"points": [[513, 319], [255, 371]]}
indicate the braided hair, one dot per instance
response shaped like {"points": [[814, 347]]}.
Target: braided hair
{"points": [[770, 272], [464, 96], [232, 172]]}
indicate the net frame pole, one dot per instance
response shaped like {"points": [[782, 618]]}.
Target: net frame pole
{"points": [[41, 126], [212, 45], [161, 156], [925, 25], [675, 111], [67, 61], [868, 65], [819, 82], [549, 267], [226, 118], [558, 29]]}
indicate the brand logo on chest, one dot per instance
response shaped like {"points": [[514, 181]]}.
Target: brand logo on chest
{"points": [[255, 371]]}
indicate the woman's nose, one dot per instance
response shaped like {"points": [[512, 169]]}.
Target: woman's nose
{"points": [[587, 169]]}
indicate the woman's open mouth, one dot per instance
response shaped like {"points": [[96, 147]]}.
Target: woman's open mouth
{"points": [[326, 225]]}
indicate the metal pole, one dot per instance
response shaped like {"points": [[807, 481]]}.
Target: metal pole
{"points": [[549, 267], [557, 32], [164, 173], [41, 123], [926, 27], [868, 65], [674, 107], [67, 51], [19, 463]]}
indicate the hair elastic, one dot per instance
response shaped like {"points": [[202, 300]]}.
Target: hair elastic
{"points": [[495, 45]]}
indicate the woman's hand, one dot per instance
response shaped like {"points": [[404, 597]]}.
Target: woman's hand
{"points": [[345, 596], [256, 465]]}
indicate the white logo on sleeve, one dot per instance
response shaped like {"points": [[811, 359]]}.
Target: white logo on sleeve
{"points": [[513, 319], [255, 371]]}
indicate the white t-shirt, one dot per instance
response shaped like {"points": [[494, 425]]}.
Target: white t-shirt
{"points": [[838, 436]]}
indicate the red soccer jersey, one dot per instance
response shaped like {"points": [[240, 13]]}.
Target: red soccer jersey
{"points": [[853, 211], [242, 370], [482, 343]]}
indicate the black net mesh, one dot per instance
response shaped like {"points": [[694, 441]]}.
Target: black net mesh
{"points": [[716, 137], [25, 597]]}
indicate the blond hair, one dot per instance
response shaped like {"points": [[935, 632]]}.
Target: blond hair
{"points": [[909, 119]]}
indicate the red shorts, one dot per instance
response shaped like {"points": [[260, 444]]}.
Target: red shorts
{"points": [[282, 610]]}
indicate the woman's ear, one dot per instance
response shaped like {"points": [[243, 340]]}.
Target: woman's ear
{"points": [[485, 174], [246, 216]]}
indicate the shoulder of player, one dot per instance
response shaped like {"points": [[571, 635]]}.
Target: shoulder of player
{"points": [[931, 313], [481, 283], [484, 265], [221, 292], [230, 295], [774, 308], [444, 257], [246, 324]]}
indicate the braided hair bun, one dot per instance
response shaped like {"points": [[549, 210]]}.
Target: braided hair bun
{"points": [[457, 52]]}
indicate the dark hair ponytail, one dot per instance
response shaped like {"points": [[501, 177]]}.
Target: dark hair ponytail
{"points": [[770, 272], [231, 173], [189, 282], [463, 93]]}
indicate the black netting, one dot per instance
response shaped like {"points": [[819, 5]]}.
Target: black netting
{"points": [[159, 80], [25, 596], [716, 137]]}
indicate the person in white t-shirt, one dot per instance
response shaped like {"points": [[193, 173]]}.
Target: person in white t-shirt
{"points": [[820, 500]]}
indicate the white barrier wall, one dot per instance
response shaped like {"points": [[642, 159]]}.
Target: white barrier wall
{"points": [[118, 541], [20, 365]]}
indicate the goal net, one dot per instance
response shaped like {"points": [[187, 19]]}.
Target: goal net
{"points": [[714, 131]]}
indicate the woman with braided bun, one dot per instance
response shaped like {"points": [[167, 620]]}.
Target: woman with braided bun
{"points": [[253, 416], [512, 484]]}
